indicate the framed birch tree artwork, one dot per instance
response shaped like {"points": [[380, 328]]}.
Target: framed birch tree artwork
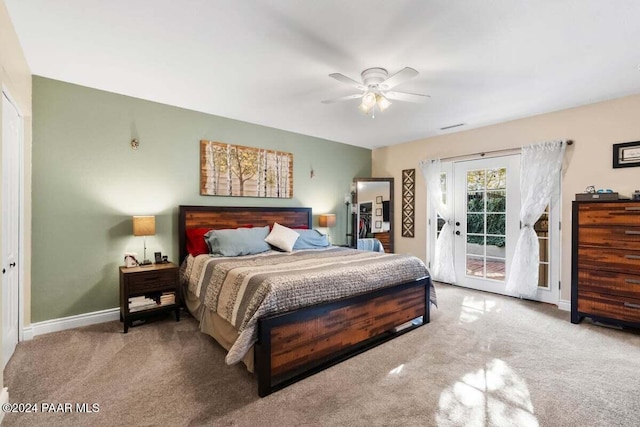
{"points": [[234, 170]]}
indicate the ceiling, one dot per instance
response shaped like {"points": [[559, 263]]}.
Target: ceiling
{"points": [[267, 62]]}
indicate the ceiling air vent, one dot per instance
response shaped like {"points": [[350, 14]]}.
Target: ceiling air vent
{"points": [[452, 126]]}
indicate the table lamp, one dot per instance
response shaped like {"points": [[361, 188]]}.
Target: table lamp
{"points": [[327, 221], [144, 226]]}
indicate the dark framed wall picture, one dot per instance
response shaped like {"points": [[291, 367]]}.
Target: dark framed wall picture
{"points": [[379, 200], [378, 224], [378, 212], [626, 155]]}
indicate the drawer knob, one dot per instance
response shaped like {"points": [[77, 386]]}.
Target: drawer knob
{"points": [[629, 305]]}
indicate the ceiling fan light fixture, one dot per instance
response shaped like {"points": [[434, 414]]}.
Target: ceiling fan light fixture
{"points": [[363, 108], [369, 99], [383, 103]]}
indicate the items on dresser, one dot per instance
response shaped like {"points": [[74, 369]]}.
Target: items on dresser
{"points": [[605, 272]]}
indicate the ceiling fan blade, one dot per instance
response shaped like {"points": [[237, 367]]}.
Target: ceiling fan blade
{"points": [[400, 77], [344, 79], [408, 97], [342, 98]]}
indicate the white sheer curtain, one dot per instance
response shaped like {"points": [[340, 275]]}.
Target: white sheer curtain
{"points": [[442, 268], [541, 165]]}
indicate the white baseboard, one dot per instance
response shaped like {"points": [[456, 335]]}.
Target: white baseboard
{"points": [[564, 305], [85, 319], [4, 398]]}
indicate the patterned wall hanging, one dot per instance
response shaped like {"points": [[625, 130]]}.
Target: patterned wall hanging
{"points": [[408, 202], [234, 170]]}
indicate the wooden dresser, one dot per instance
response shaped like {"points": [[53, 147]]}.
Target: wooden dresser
{"points": [[385, 240], [605, 271]]}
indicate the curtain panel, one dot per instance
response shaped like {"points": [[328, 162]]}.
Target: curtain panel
{"points": [[442, 268], [540, 168]]}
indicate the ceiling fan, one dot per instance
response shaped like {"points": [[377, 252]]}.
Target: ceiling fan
{"points": [[376, 89]]}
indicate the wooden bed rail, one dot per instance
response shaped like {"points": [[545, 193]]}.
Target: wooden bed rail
{"points": [[300, 343]]}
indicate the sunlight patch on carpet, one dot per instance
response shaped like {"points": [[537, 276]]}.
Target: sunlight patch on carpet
{"points": [[493, 395], [473, 308]]}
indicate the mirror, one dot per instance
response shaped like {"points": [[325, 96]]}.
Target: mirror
{"points": [[373, 211]]}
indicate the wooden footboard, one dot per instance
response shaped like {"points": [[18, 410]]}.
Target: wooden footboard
{"points": [[296, 344]]}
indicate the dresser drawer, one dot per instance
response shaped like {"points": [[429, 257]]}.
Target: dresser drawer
{"points": [[611, 306], [619, 260], [611, 237], [609, 214], [627, 285], [149, 281]]}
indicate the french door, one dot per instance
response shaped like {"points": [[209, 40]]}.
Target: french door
{"points": [[486, 206], [485, 195]]}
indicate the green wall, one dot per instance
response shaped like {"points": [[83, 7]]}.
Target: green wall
{"points": [[88, 182]]}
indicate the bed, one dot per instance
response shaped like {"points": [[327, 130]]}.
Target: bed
{"points": [[327, 315]]}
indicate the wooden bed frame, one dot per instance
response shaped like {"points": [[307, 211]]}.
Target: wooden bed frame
{"points": [[302, 342]]}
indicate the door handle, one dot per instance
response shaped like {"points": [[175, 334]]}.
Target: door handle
{"points": [[458, 233], [457, 223], [4, 271], [13, 264]]}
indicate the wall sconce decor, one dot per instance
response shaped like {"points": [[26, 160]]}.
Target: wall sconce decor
{"points": [[408, 202]]}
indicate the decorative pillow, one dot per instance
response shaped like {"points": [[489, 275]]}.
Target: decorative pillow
{"points": [[310, 239], [238, 241], [196, 243], [282, 237]]}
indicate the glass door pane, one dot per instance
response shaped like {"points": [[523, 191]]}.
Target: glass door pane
{"points": [[542, 229], [486, 223]]}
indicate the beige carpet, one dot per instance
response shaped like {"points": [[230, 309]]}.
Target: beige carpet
{"points": [[484, 360]]}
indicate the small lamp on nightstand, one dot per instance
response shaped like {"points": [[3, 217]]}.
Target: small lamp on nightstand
{"points": [[327, 221], [144, 226]]}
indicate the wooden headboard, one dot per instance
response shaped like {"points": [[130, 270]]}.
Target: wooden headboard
{"points": [[219, 217]]}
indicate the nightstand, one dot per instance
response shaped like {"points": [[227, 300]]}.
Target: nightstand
{"points": [[149, 290]]}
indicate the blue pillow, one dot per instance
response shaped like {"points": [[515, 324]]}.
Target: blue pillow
{"points": [[310, 239], [238, 241]]}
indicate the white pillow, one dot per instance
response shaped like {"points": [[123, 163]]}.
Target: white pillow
{"points": [[282, 237]]}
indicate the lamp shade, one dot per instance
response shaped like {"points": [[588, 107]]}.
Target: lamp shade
{"points": [[144, 225], [327, 220]]}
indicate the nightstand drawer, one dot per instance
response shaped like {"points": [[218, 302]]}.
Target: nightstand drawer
{"points": [[144, 282]]}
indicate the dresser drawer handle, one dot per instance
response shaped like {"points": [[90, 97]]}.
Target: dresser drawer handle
{"points": [[633, 232], [632, 208], [632, 256], [629, 305], [633, 281]]}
